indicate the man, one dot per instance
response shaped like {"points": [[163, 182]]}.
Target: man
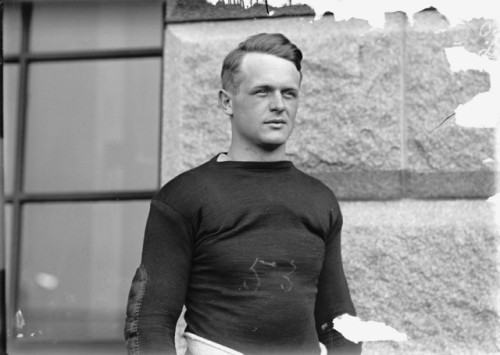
{"points": [[250, 244]]}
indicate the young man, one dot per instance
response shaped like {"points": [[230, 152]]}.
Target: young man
{"points": [[250, 244]]}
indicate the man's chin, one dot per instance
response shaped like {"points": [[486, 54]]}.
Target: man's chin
{"points": [[271, 146], [276, 140]]}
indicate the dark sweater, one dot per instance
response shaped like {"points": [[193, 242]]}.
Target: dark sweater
{"points": [[253, 251]]}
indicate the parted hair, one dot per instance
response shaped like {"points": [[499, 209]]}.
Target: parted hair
{"points": [[268, 43]]}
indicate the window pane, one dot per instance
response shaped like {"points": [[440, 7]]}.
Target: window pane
{"points": [[93, 126], [11, 28], [75, 25], [8, 239], [77, 264], [10, 87], [9, 279]]}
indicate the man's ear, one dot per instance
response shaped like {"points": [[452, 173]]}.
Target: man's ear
{"points": [[226, 102]]}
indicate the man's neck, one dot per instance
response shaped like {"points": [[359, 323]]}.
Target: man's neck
{"points": [[242, 154]]}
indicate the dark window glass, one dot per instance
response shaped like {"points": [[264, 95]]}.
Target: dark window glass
{"points": [[77, 260], [11, 29], [76, 25], [10, 92], [93, 126], [8, 242]]}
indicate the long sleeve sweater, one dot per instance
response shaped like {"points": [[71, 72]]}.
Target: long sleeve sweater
{"points": [[253, 250]]}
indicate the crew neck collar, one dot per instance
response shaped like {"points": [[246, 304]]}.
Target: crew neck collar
{"points": [[278, 164]]}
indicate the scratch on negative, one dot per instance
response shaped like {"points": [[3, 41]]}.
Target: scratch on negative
{"points": [[446, 119]]}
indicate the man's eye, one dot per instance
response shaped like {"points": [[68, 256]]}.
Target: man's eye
{"points": [[261, 92], [290, 94]]}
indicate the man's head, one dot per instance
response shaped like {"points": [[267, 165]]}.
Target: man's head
{"points": [[261, 81], [268, 43]]}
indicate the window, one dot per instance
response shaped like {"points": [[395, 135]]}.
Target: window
{"points": [[82, 88]]}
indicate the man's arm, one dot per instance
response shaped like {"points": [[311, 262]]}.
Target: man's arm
{"points": [[159, 286], [333, 297]]}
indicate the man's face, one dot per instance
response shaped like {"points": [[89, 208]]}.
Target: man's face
{"points": [[266, 101]]}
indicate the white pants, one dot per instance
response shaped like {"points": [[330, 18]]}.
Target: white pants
{"points": [[201, 346]]}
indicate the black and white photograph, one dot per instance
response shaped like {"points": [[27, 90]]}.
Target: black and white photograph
{"points": [[250, 177]]}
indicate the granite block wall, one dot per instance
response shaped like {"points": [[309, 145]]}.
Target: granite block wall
{"points": [[429, 268], [420, 242]]}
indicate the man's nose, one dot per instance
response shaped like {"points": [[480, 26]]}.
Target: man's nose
{"points": [[277, 102]]}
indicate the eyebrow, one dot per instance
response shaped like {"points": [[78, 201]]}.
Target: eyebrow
{"points": [[269, 87]]}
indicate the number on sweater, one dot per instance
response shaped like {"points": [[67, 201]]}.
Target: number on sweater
{"points": [[286, 284]]}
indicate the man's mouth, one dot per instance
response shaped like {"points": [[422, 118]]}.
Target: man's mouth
{"points": [[275, 122]]}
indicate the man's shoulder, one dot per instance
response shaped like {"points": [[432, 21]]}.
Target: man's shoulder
{"points": [[183, 186]]}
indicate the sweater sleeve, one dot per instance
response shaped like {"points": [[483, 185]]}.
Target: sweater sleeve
{"points": [[333, 298], [159, 286]]}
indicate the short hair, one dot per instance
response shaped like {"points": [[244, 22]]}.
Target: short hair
{"points": [[267, 43]]}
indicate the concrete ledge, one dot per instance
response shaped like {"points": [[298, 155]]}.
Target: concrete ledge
{"points": [[364, 185], [387, 185], [463, 184]]}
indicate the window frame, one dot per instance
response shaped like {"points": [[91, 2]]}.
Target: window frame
{"points": [[18, 198]]}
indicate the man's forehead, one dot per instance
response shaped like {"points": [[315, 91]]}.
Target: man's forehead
{"points": [[262, 66], [257, 59]]}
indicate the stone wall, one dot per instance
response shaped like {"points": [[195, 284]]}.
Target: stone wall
{"points": [[419, 241]]}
